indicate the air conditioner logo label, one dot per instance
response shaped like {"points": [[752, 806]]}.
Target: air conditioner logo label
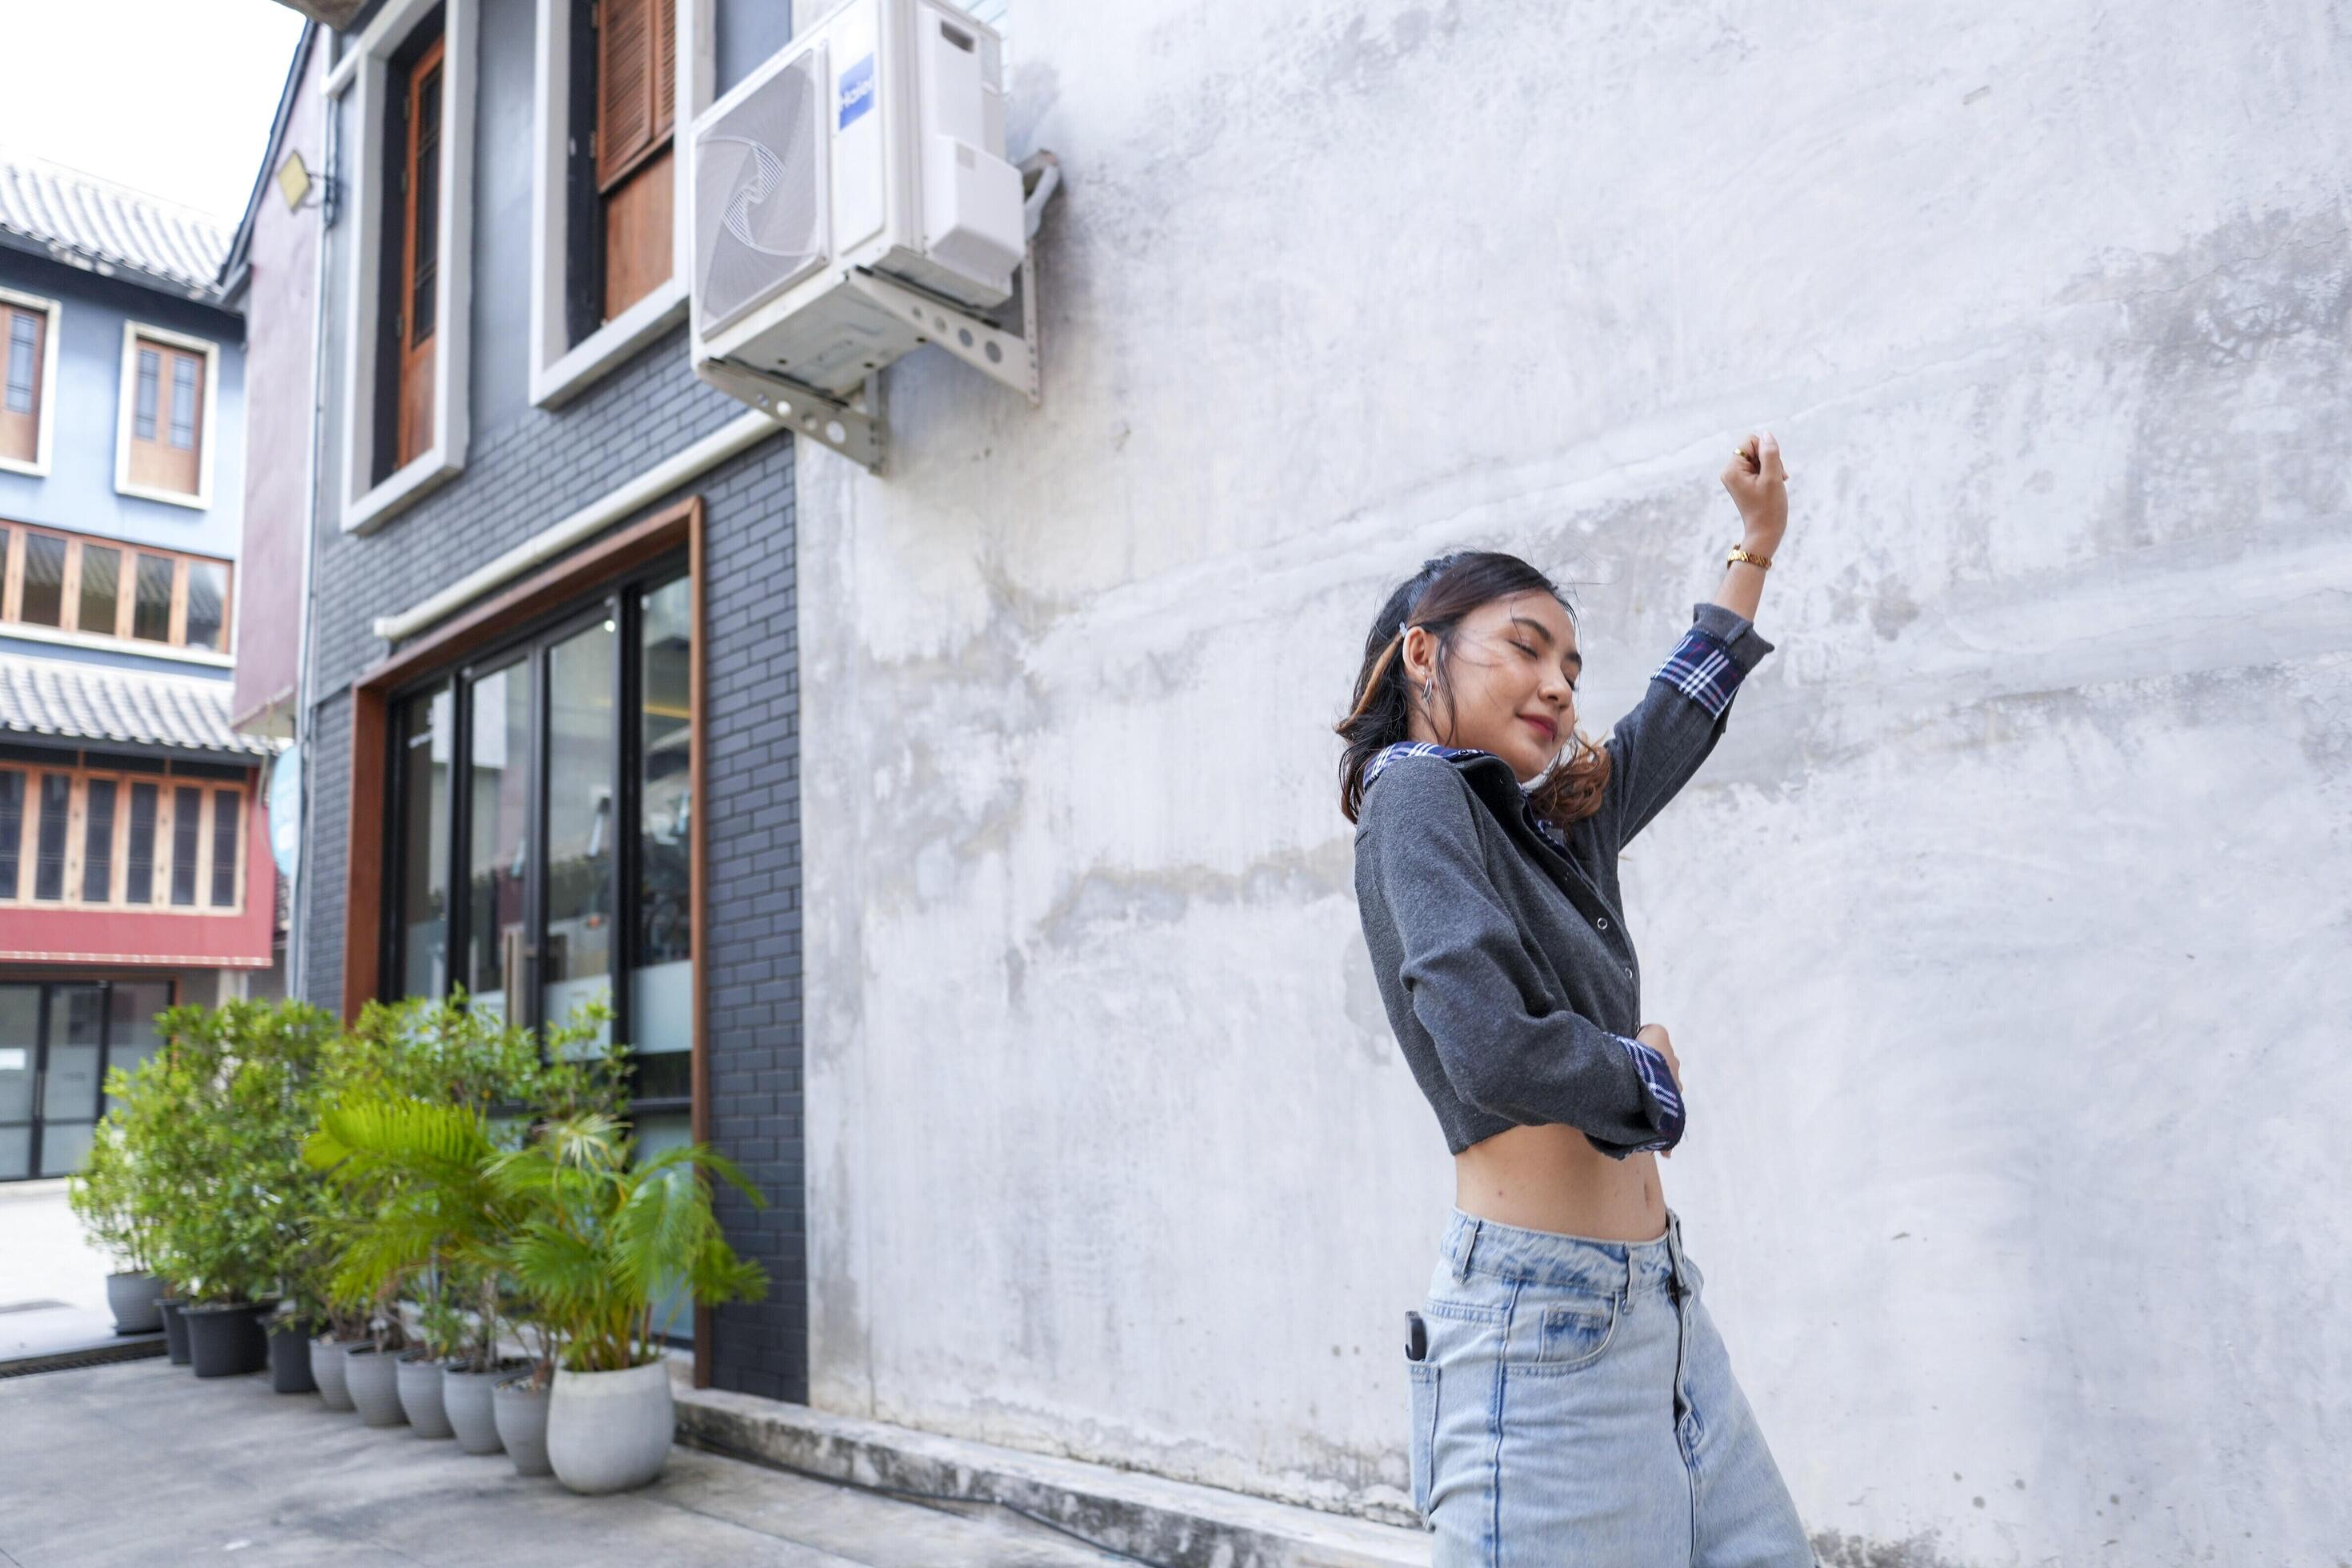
{"points": [[857, 95]]}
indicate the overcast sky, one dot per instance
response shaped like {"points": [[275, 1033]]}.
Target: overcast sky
{"points": [[173, 97]]}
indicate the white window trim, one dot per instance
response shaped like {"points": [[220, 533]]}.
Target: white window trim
{"points": [[558, 373], [139, 645], [126, 414], [365, 69], [45, 426]]}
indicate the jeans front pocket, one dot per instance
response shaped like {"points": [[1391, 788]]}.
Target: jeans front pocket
{"points": [[1421, 1378], [1564, 1334]]}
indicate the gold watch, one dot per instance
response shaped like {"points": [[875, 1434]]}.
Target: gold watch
{"points": [[1738, 554]]}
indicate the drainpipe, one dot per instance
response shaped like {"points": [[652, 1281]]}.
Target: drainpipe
{"points": [[298, 905]]}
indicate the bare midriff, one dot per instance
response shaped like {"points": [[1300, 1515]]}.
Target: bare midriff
{"points": [[1550, 1177]]}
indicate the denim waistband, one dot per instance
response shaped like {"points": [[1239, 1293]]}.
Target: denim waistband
{"points": [[1479, 1246]]}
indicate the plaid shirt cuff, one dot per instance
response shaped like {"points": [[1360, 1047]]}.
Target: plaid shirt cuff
{"points": [[1701, 668], [1659, 1080]]}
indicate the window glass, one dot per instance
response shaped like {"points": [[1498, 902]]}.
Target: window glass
{"points": [[42, 601], [225, 826], [187, 824], [97, 841], [497, 802], [151, 616], [661, 991], [24, 358], [49, 861], [428, 206], [183, 402], [207, 603], [12, 828], [138, 854], [20, 1045], [131, 1034], [583, 737], [69, 1082], [150, 379], [101, 568], [424, 924]]}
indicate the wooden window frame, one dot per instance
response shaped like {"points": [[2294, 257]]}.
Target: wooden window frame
{"points": [[127, 415], [375, 696], [412, 380], [12, 585], [76, 821], [562, 364], [45, 403], [371, 71]]}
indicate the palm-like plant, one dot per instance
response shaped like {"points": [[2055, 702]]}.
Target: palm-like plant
{"points": [[606, 1236]]}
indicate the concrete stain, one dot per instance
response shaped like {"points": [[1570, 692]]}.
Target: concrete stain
{"points": [[1838, 1549]]}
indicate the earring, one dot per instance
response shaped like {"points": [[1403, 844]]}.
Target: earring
{"points": [[1426, 687]]}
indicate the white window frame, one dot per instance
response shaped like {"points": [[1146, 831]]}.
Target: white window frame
{"points": [[558, 373], [364, 73], [46, 429], [126, 414]]}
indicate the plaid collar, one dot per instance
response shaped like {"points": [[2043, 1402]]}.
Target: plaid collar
{"points": [[1551, 835]]}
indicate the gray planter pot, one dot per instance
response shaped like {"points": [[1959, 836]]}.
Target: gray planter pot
{"points": [[327, 1372], [226, 1338], [521, 1414], [419, 1381], [465, 1397], [175, 1331], [369, 1377], [137, 1303], [609, 1431]]}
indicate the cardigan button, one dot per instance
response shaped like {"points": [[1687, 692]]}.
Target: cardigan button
{"points": [[1629, 971], [1601, 922]]}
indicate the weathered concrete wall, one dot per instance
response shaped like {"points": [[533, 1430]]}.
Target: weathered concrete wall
{"points": [[2003, 935]]}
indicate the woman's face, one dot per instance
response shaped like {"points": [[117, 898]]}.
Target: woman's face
{"points": [[1513, 666]]}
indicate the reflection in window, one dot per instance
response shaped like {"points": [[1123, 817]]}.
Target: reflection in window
{"points": [[151, 617], [131, 1034], [42, 599], [187, 825], [424, 735], [138, 854], [98, 842], [583, 738], [183, 404], [50, 864], [150, 379], [224, 820], [100, 569], [207, 603], [12, 828], [497, 799], [661, 996]]}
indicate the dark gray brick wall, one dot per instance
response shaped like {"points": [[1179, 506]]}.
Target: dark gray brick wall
{"points": [[520, 480]]}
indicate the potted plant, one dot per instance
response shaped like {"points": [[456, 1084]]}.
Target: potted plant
{"points": [[104, 1196], [605, 1239]]}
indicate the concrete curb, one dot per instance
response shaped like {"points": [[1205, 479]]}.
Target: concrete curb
{"points": [[95, 1353], [1172, 1523]]}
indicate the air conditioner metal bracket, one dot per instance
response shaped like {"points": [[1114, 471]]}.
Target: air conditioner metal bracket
{"points": [[855, 429], [1001, 355]]}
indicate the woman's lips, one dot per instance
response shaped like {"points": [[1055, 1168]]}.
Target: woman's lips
{"points": [[1548, 731]]}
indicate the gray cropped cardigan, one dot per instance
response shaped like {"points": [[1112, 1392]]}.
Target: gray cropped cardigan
{"points": [[1500, 942]]}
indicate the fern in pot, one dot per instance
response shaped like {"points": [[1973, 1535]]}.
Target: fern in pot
{"points": [[603, 1240]]}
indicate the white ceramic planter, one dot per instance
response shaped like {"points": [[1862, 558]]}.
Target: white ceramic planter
{"points": [[609, 1431], [465, 1400], [520, 1412], [137, 1300], [418, 1380], [327, 1372], [368, 1377]]}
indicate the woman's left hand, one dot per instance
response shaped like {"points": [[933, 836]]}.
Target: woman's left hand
{"points": [[1759, 488]]}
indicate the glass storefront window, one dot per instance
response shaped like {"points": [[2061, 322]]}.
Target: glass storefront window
{"points": [[424, 890], [53, 1074], [661, 984], [497, 799], [582, 741]]}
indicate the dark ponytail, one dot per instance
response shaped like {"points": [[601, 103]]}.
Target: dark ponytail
{"points": [[1438, 598]]}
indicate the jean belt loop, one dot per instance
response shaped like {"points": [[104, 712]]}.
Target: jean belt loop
{"points": [[1675, 1252], [1465, 1241]]}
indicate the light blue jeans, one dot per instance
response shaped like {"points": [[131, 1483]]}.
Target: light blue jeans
{"points": [[1576, 1405]]}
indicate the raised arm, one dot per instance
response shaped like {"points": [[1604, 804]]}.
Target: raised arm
{"points": [[1655, 749], [1470, 978]]}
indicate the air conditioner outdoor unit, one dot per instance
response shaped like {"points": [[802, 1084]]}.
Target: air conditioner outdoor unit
{"points": [[851, 203]]}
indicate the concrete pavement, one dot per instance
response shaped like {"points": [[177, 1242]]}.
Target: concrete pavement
{"points": [[139, 1463]]}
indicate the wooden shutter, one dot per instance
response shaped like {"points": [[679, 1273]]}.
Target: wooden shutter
{"points": [[23, 335], [624, 87], [665, 67], [167, 425]]}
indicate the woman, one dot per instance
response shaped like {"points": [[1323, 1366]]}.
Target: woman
{"points": [[1570, 1400]]}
